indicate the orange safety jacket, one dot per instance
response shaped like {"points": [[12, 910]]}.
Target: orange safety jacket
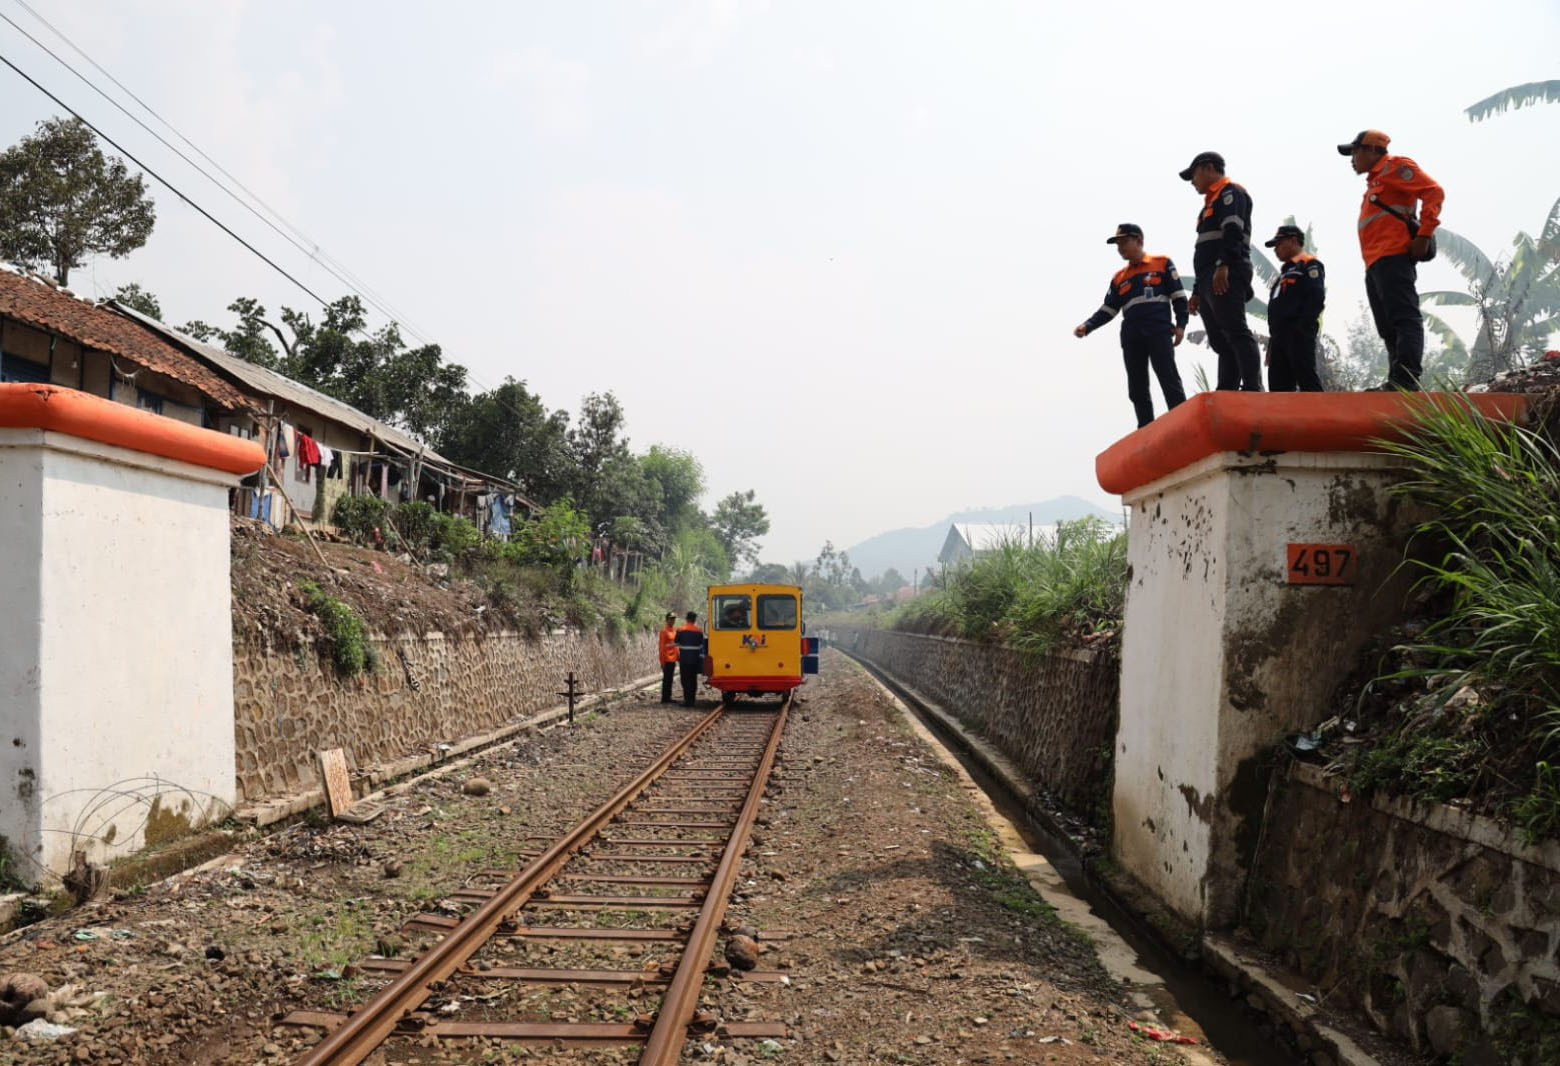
{"points": [[1398, 182], [669, 645]]}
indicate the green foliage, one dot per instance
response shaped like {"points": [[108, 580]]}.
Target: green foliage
{"points": [[136, 298], [1488, 665], [557, 537], [345, 635], [62, 200], [1431, 767], [1515, 297], [1538, 813], [509, 432], [359, 516], [1494, 492], [738, 522], [1032, 597]]}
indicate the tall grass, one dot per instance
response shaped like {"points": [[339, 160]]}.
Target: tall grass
{"points": [[1492, 490], [1031, 597]]}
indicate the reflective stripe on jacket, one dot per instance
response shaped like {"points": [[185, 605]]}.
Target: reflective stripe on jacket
{"points": [[1223, 230], [690, 644], [1146, 293], [1396, 181]]}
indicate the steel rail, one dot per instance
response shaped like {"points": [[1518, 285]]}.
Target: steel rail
{"points": [[664, 1045], [368, 1026]]}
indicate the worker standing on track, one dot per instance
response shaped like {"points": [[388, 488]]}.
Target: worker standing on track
{"points": [[1394, 240], [1146, 291], [1222, 263], [1295, 305], [690, 656], [668, 656]]}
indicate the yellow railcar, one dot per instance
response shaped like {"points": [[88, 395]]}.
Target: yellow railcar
{"points": [[754, 642]]}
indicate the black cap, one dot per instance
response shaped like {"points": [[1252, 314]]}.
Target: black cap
{"points": [[1126, 229], [1365, 139], [1286, 231], [1199, 159]]}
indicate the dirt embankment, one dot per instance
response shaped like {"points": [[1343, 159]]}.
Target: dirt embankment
{"points": [[392, 593]]}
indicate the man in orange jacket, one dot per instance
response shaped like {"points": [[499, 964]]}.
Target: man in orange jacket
{"points": [[668, 656], [1394, 239]]}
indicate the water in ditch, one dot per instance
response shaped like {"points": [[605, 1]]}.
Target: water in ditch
{"points": [[1182, 995]]}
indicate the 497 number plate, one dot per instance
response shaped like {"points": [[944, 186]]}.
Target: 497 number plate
{"points": [[1321, 564]]}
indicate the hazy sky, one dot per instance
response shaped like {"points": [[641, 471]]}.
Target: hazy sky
{"points": [[835, 249]]}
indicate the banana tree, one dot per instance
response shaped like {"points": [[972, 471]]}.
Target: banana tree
{"points": [[1534, 92], [1516, 299]]}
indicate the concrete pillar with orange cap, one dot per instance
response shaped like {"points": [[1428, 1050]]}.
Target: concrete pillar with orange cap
{"points": [[1264, 554], [116, 668]]}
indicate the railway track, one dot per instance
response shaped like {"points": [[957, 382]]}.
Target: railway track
{"points": [[648, 874]]}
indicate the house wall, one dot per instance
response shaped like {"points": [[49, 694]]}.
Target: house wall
{"points": [[115, 655]]}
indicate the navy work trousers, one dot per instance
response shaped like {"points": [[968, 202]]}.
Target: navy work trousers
{"points": [[1292, 359], [1224, 320], [1394, 304], [1139, 352]]}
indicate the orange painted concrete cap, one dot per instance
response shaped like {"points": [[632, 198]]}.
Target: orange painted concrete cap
{"points": [[81, 414], [1213, 422]]}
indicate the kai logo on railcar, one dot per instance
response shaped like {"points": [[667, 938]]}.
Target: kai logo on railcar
{"points": [[1321, 564]]}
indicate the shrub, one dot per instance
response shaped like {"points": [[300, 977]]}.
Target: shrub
{"points": [[416, 521], [359, 516], [346, 637], [1031, 596]]}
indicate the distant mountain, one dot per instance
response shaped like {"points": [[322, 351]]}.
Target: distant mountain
{"points": [[908, 549]]}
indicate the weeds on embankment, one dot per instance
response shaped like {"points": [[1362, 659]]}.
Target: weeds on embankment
{"points": [[1072, 587], [1476, 689]]}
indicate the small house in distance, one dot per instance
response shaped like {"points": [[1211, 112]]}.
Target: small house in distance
{"points": [[966, 540]]}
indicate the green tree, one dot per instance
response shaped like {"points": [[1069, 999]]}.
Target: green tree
{"points": [[62, 200], [1516, 298], [771, 574], [739, 520], [679, 479], [509, 432], [138, 299], [1534, 92]]}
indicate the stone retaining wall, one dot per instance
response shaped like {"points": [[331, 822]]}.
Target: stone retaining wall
{"points": [[289, 703], [1439, 925], [1053, 715]]}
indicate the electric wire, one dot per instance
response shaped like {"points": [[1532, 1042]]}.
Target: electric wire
{"points": [[313, 251], [490, 389]]}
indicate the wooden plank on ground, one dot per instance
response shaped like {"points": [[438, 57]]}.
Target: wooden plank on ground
{"points": [[338, 786]]}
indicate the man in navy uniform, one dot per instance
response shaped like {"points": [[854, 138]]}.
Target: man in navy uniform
{"points": [[1146, 291], [1222, 264], [690, 656], [1294, 314]]}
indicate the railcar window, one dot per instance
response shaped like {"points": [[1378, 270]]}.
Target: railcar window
{"points": [[732, 612], [777, 612]]}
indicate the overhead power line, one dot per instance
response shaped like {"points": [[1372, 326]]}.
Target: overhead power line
{"points": [[191, 202], [313, 251]]}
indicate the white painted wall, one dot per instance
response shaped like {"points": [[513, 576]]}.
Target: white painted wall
{"points": [[117, 621], [1221, 656]]}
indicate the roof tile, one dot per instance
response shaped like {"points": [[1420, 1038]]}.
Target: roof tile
{"points": [[46, 308]]}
